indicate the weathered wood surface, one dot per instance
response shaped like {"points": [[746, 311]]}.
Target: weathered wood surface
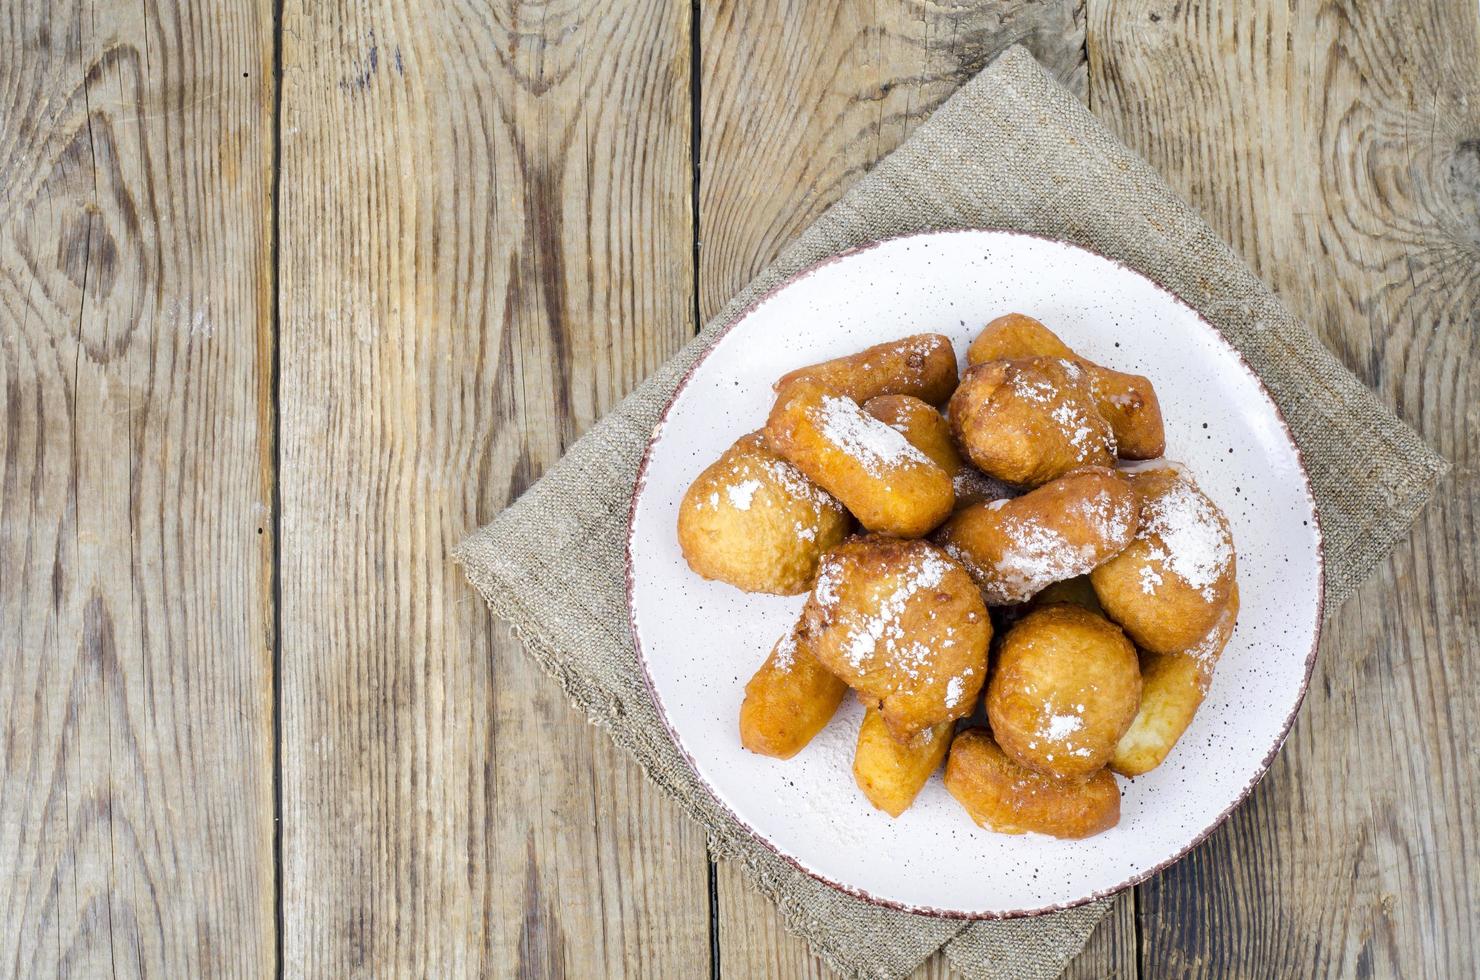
{"points": [[135, 489], [486, 234], [486, 241], [1337, 147]]}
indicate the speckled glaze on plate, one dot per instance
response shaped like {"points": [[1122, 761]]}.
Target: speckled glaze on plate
{"points": [[700, 641]]}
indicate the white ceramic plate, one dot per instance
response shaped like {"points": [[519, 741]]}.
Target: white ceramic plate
{"points": [[700, 641]]}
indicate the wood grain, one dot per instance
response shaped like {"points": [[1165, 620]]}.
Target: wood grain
{"points": [[135, 482], [486, 241], [799, 99], [1337, 146]]}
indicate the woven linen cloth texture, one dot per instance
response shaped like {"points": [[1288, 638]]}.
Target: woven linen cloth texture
{"points": [[1013, 150]]}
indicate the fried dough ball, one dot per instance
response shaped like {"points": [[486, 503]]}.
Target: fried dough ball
{"points": [[1065, 688], [1015, 335], [888, 484], [1170, 585], [753, 520], [1127, 401], [922, 365], [890, 772], [1029, 420], [928, 431], [1015, 548], [1003, 796], [789, 700], [1173, 686], [904, 626]]}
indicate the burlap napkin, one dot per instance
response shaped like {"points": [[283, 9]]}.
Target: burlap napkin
{"points": [[1011, 149]]}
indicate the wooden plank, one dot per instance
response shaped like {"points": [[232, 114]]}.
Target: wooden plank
{"points": [[135, 489], [1337, 146], [486, 242], [798, 100], [1111, 951]]}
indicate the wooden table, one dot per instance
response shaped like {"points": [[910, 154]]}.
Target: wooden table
{"points": [[293, 296]]}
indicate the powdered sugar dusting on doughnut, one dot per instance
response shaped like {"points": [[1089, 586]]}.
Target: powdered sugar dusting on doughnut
{"points": [[786, 652], [863, 437], [794, 482], [1061, 727], [1114, 519], [1076, 425], [883, 628], [1197, 549], [825, 589], [1207, 650], [1036, 556], [741, 494], [1033, 389]]}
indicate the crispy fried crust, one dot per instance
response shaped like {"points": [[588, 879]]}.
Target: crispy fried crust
{"points": [[922, 365], [1127, 401], [789, 700], [888, 484], [1015, 548], [1172, 583], [1003, 796], [1172, 689], [1064, 689], [928, 431], [755, 521], [1029, 420], [891, 772], [904, 626]]}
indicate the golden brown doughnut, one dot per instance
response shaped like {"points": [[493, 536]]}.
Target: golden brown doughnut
{"points": [[789, 700], [1003, 796], [1064, 689], [1170, 584], [928, 431], [1015, 548], [922, 365], [888, 484], [753, 520], [1173, 686], [1127, 401], [904, 626], [1029, 420], [890, 772]]}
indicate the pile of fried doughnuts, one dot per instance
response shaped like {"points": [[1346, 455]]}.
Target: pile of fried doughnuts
{"points": [[998, 565]]}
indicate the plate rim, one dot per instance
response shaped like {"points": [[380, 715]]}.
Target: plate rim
{"points": [[640, 487]]}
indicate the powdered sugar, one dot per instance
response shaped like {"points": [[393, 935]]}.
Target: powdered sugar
{"points": [[794, 482], [742, 493], [883, 627], [1035, 557], [1112, 518], [863, 437], [1060, 727], [825, 589], [786, 652], [1207, 650], [1084, 437], [955, 691], [1034, 390], [1197, 548]]}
